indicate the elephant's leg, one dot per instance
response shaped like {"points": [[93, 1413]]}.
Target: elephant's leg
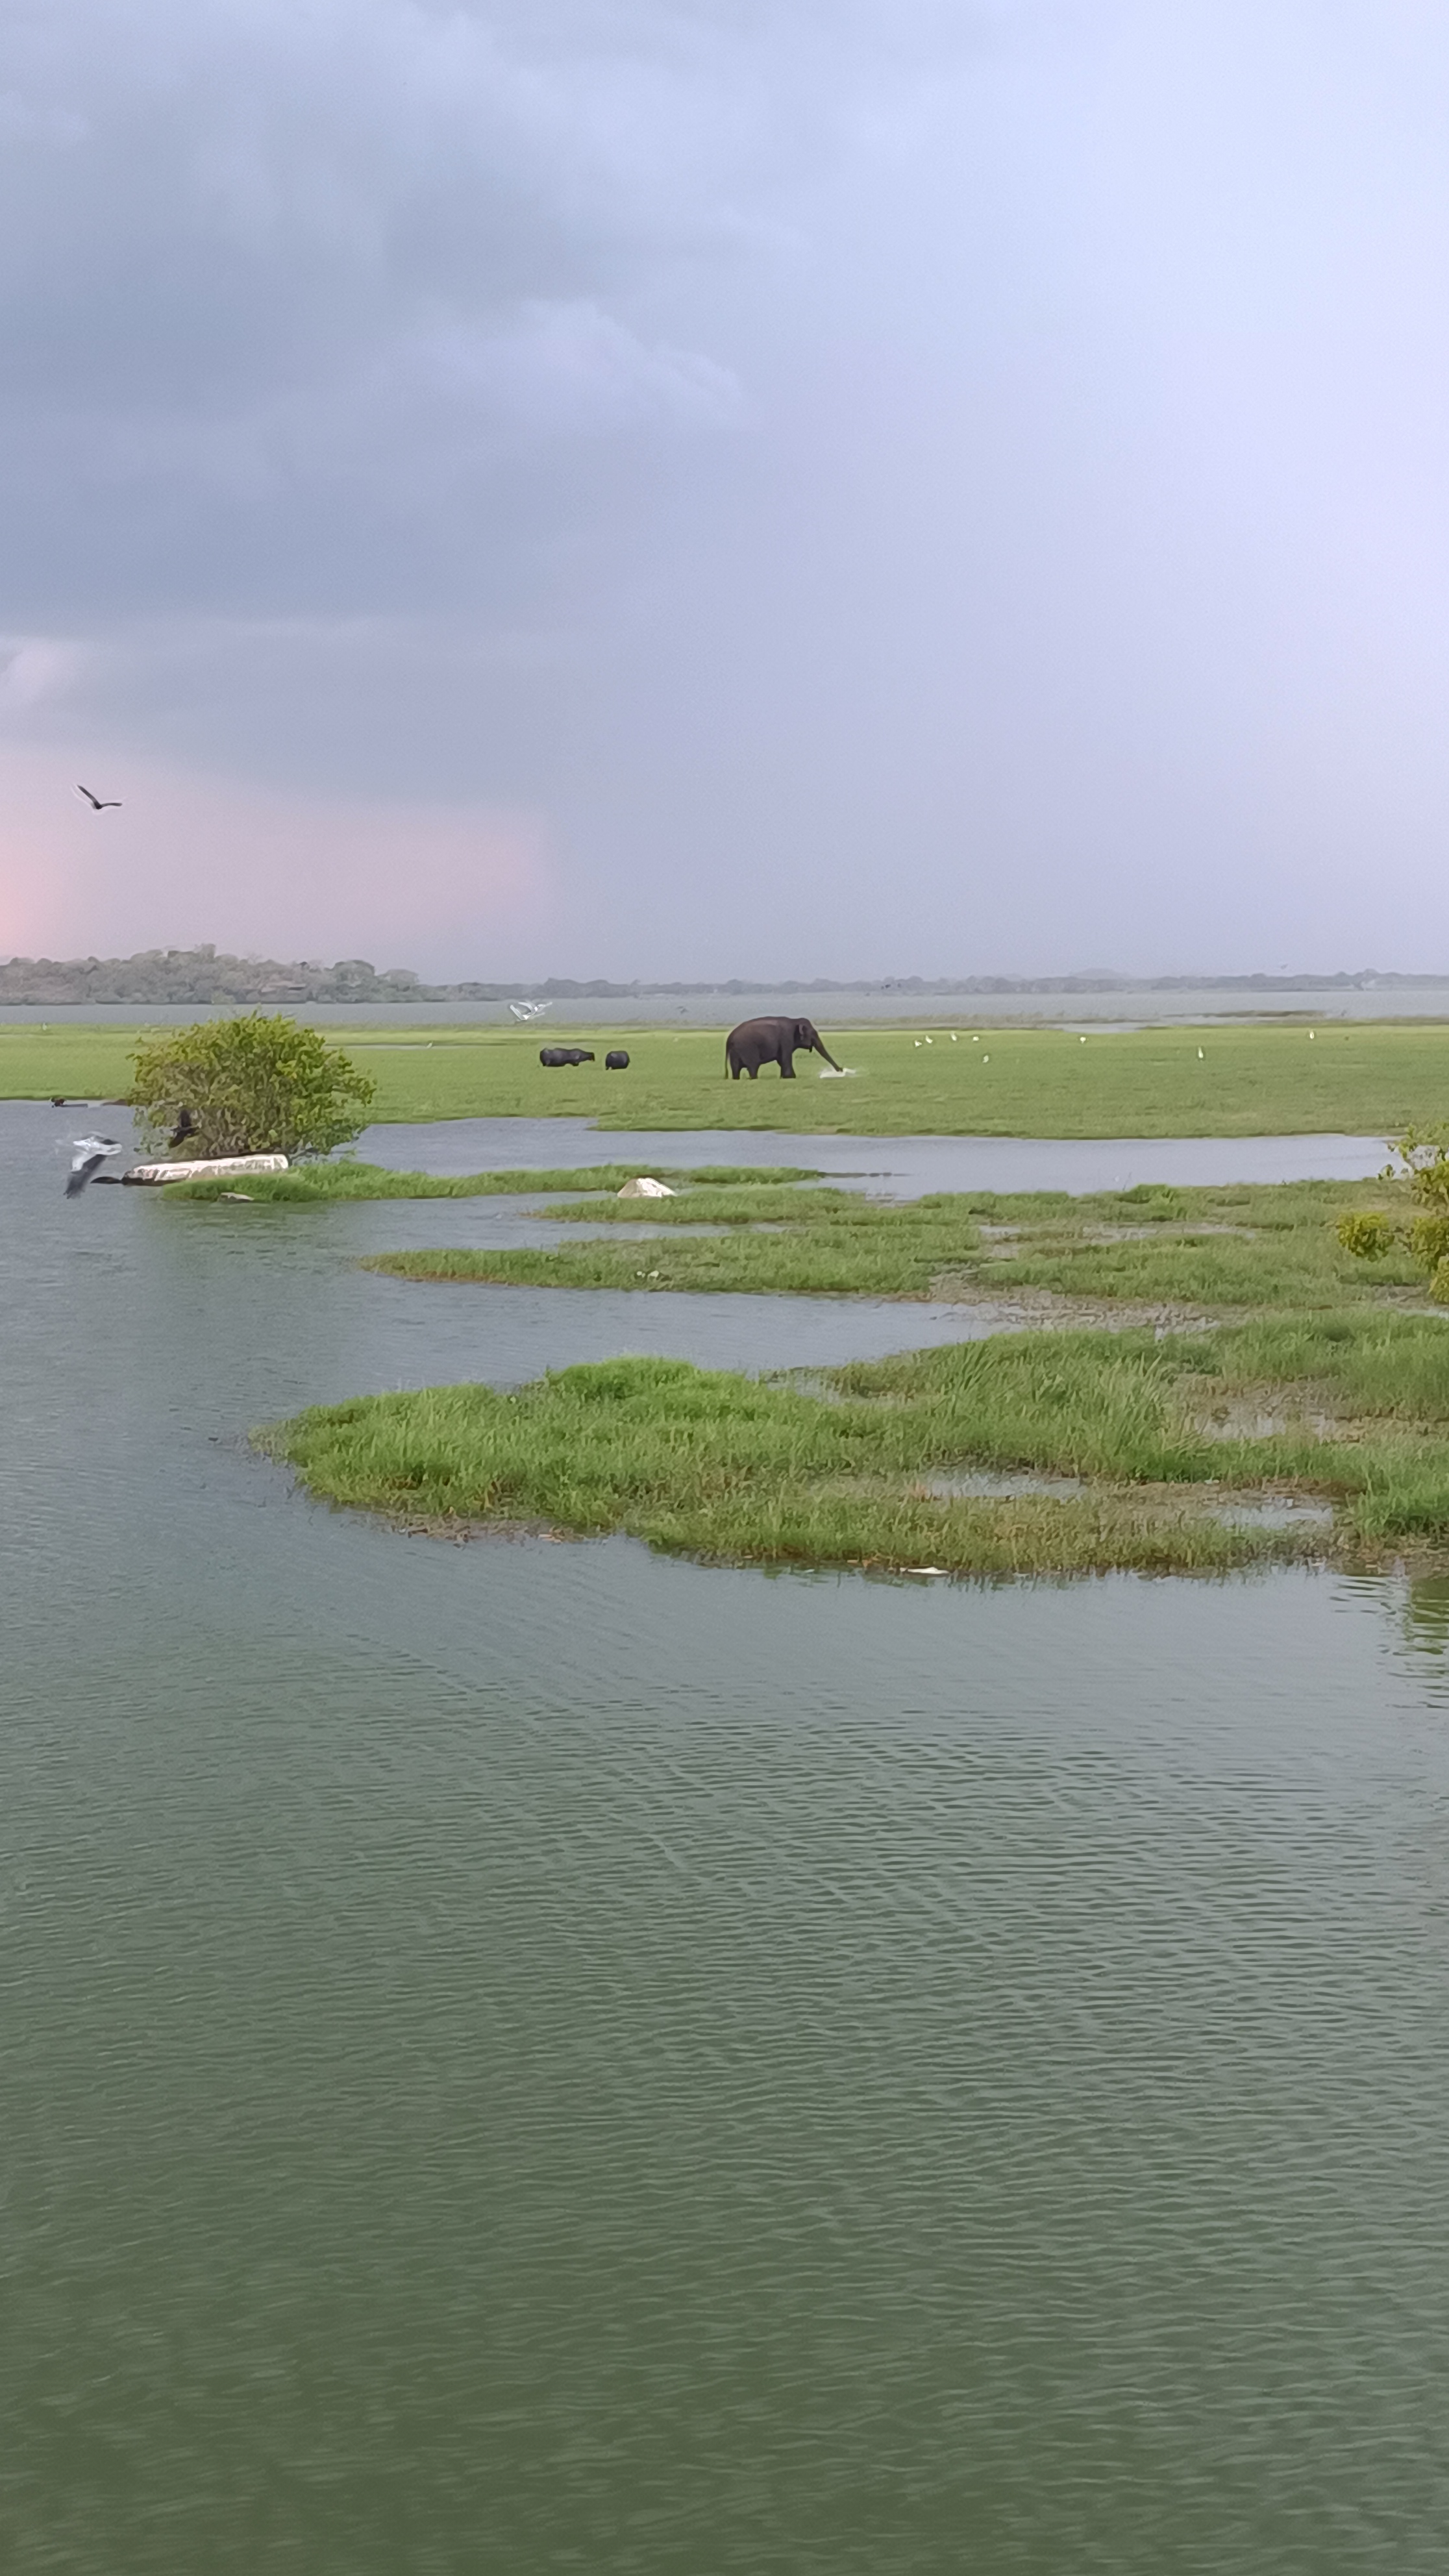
{"points": [[753, 1071], [787, 1068]]}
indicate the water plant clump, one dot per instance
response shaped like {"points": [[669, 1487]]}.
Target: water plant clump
{"points": [[1351, 1409]]}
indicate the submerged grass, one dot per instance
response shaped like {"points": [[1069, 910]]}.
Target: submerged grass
{"points": [[1216, 1249], [732, 1467], [321, 1184]]}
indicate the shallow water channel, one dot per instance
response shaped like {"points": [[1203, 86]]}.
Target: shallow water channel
{"points": [[533, 2056]]}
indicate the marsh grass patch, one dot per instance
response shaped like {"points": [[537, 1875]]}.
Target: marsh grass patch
{"points": [[878, 1464], [1203, 1250]]}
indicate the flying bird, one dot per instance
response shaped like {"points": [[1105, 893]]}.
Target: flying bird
{"points": [[528, 1010], [101, 803], [86, 1160]]}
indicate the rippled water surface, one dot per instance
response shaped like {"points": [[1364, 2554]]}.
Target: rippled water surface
{"points": [[535, 2057]]}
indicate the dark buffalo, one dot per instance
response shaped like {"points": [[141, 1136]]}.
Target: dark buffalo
{"points": [[616, 1061], [565, 1055], [757, 1042]]}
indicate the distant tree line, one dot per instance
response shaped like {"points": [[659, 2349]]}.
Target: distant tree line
{"points": [[202, 975]]}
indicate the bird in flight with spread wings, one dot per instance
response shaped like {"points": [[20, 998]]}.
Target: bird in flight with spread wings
{"points": [[87, 1155], [101, 803]]}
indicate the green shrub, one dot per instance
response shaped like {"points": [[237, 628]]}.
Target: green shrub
{"points": [[1428, 1241], [1424, 1152], [1368, 1236], [251, 1085]]}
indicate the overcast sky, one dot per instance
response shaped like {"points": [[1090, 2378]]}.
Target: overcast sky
{"points": [[740, 487]]}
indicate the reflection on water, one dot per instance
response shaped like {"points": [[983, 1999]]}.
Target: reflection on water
{"points": [[535, 2056], [1426, 1632]]}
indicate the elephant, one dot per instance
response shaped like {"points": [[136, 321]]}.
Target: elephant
{"points": [[757, 1042], [565, 1055], [616, 1061]]}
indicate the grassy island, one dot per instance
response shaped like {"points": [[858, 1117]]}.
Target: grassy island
{"points": [[1025, 1454], [1236, 1248], [1262, 1397]]}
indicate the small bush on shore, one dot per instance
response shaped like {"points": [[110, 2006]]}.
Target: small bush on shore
{"points": [[252, 1085]]}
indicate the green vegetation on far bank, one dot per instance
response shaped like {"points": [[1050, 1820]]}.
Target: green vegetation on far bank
{"points": [[1221, 1249], [1185, 1452], [1361, 1078]]}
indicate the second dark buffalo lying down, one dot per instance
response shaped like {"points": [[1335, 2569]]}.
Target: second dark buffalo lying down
{"points": [[565, 1055]]}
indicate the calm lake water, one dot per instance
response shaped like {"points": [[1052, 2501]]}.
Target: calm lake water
{"points": [[534, 2057], [895, 1166]]}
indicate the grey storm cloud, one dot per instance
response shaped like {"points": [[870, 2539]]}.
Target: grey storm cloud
{"points": [[273, 274], [889, 483]]}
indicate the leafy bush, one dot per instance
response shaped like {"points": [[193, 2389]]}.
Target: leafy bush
{"points": [[1424, 1152], [252, 1085], [1428, 1241], [1367, 1236]]}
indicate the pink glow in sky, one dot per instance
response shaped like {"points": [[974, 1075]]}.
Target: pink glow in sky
{"points": [[191, 858]]}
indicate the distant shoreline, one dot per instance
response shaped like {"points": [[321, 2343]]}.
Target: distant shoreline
{"points": [[204, 977]]}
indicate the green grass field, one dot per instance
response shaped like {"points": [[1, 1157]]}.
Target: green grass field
{"points": [[1366, 1079], [1174, 1444]]}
